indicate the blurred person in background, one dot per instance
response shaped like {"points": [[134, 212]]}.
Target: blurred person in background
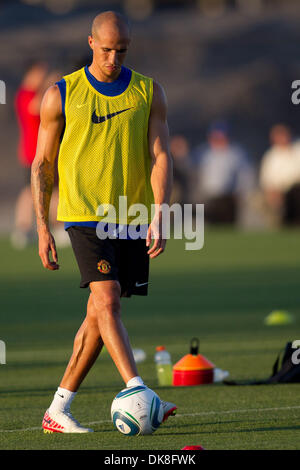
{"points": [[36, 80], [27, 108], [279, 177], [180, 150], [225, 175]]}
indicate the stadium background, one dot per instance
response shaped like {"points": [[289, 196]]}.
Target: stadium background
{"points": [[216, 59], [232, 59]]}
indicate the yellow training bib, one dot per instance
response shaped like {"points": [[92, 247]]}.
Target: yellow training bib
{"points": [[104, 152]]}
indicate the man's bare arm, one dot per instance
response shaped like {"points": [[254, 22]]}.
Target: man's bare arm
{"points": [[162, 165], [43, 171]]}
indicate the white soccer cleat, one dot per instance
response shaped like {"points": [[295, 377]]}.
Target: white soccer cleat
{"points": [[62, 422], [169, 408]]}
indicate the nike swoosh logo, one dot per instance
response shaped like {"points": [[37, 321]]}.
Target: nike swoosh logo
{"points": [[80, 105], [98, 119], [137, 284]]}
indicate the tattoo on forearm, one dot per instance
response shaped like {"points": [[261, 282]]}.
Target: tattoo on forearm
{"points": [[42, 178]]}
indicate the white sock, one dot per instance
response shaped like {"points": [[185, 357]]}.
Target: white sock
{"points": [[135, 381], [62, 400]]}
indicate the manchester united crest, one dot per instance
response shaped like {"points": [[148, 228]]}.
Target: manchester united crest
{"points": [[104, 267]]}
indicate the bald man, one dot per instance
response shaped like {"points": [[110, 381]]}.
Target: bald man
{"points": [[115, 143]]}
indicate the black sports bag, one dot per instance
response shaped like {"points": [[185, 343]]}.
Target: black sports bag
{"points": [[288, 371]]}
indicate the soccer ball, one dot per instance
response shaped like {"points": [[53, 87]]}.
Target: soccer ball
{"points": [[137, 410]]}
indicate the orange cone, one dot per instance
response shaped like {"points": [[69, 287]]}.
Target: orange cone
{"points": [[193, 369]]}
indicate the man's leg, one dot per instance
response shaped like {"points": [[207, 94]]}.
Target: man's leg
{"points": [[102, 324], [87, 346], [106, 301], [24, 210], [23, 218]]}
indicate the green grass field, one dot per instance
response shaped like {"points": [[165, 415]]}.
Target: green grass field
{"points": [[220, 294]]}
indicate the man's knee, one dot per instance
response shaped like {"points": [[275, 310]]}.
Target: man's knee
{"points": [[106, 301], [91, 313]]}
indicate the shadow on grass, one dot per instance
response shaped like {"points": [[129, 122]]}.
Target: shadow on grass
{"points": [[232, 431]]}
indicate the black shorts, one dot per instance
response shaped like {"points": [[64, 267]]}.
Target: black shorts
{"points": [[125, 261]]}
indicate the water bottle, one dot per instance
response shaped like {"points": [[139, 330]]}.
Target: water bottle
{"points": [[163, 366]]}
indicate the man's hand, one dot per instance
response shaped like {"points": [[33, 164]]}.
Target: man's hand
{"points": [[47, 245], [155, 232]]}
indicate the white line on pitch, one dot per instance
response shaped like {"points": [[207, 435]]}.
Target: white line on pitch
{"points": [[202, 413]]}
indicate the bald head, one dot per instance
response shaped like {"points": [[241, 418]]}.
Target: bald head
{"points": [[109, 41], [110, 20]]}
